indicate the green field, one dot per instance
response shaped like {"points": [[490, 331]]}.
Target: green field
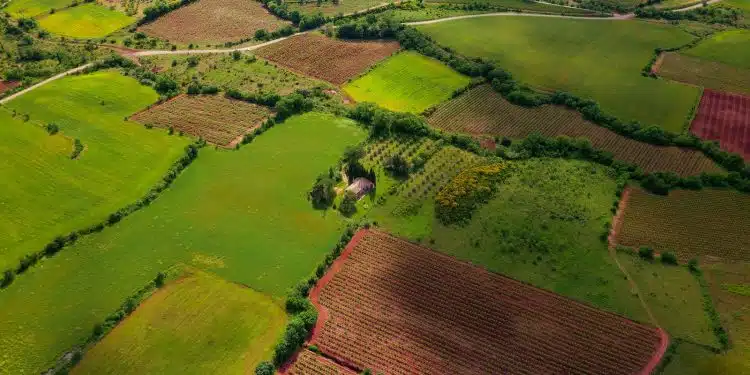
{"points": [[599, 59], [407, 82], [47, 194], [85, 21], [31, 8], [691, 359], [198, 324], [729, 47], [543, 227], [528, 6], [709, 74], [674, 297], [240, 214]]}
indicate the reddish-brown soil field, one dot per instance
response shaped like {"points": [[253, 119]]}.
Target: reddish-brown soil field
{"points": [[8, 85], [399, 308], [724, 117], [216, 119], [484, 111], [213, 21], [332, 60], [309, 363]]}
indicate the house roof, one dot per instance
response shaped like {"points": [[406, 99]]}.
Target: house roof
{"points": [[360, 185]]}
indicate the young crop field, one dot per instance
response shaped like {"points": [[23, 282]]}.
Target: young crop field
{"points": [[725, 118], [396, 307], [709, 223], [309, 363], [213, 21], [32, 8], [214, 118], [248, 74], [240, 214], [198, 324], [85, 21], [46, 194], [599, 60], [528, 6], [483, 111], [329, 59], [407, 82], [331, 8], [712, 75], [674, 297], [728, 47]]}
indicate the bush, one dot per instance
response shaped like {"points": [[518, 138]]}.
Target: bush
{"points": [[646, 253], [52, 128], [693, 266], [669, 257], [348, 205], [265, 368], [8, 277], [322, 193], [397, 166]]}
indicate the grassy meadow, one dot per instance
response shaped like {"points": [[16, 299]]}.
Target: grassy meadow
{"points": [[46, 193], [407, 82], [198, 324], [85, 21], [729, 47], [31, 8], [601, 60], [240, 214]]}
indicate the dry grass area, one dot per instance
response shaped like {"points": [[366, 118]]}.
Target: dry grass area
{"points": [[332, 60], [214, 118], [213, 21], [483, 111], [712, 75]]}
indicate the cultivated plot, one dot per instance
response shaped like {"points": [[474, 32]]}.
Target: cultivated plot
{"points": [[709, 223], [524, 6], [329, 59], [333, 8], [712, 75], [6, 86], [213, 21], [85, 21], [214, 118], [730, 290], [725, 118], [483, 111], [198, 324], [397, 308], [595, 59], [309, 363], [407, 82]]}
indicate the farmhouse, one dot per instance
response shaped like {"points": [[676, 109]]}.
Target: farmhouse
{"points": [[360, 187]]}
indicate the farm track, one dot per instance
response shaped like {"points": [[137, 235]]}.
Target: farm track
{"points": [[696, 6], [46, 81]]}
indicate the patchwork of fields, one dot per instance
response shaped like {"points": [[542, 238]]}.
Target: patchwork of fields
{"points": [[726, 118], [712, 75]]}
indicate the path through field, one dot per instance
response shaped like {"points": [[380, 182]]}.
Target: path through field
{"points": [[46, 81], [696, 6]]}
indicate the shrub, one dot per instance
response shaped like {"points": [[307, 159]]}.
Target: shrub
{"points": [[668, 257], [693, 266], [159, 280], [322, 193], [456, 202], [348, 205], [52, 128], [646, 253], [397, 166], [265, 368], [8, 277]]}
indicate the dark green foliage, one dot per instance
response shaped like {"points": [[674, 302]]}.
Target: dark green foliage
{"points": [[161, 8], [8, 277], [52, 128], [265, 368], [322, 194], [291, 105], [161, 277], [77, 149], [646, 253], [693, 265], [166, 86], [348, 205], [718, 14], [264, 98], [668, 257], [397, 166]]}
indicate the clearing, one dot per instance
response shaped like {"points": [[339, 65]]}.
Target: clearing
{"points": [[240, 214], [85, 21], [396, 307], [407, 82], [600, 60], [46, 194], [198, 324], [708, 223], [725, 118], [712, 75], [213, 21], [332, 60], [728, 47], [212, 117], [483, 111]]}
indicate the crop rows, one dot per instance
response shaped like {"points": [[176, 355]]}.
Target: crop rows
{"points": [[377, 153], [726, 118], [309, 363], [709, 222], [399, 308], [332, 60], [214, 118], [713, 75], [483, 111], [441, 168]]}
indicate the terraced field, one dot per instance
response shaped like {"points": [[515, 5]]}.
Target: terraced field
{"points": [[483, 111]]}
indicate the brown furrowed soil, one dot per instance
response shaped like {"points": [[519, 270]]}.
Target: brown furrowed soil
{"points": [[724, 117], [399, 308], [482, 111], [8, 85], [712, 75], [309, 363], [214, 118], [213, 21], [332, 60], [709, 223]]}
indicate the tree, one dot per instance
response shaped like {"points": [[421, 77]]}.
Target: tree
{"points": [[165, 86], [668, 257], [322, 193], [352, 154], [52, 128], [7, 279], [397, 166], [160, 278], [348, 205], [265, 368], [646, 253]]}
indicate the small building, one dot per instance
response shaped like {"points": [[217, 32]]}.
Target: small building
{"points": [[360, 187]]}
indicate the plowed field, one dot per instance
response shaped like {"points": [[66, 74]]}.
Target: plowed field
{"points": [[214, 118], [309, 363], [709, 222], [398, 308], [726, 118], [484, 111], [332, 60], [213, 21]]}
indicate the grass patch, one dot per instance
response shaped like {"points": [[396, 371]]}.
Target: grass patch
{"points": [[197, 324], [31, 8], [729, 47], [328, 8], [46, 193], [710, 74], [240, 214], [407, 82], [522, 5], [85, 21], [601, 60], [692, 359]]}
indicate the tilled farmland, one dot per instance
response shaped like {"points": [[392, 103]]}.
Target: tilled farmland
{"points": [[309, 363], [399, 308], [724, 117], [214, 118]]}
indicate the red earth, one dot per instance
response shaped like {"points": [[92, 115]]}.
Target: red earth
{"points": [[8, 85], [724, 117]]}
